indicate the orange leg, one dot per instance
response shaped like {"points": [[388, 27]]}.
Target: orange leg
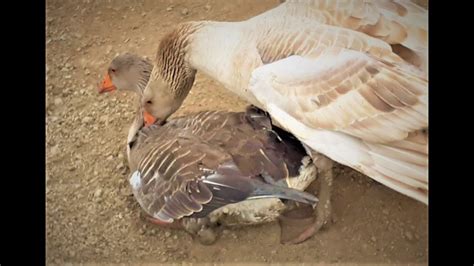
{"points": [[323, 210], [175, 224]]}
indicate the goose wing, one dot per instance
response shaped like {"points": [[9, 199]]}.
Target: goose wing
{"points": [[358, 109], [402, 24]]}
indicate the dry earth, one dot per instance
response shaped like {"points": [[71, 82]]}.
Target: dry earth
{"points": [[91, 214]]}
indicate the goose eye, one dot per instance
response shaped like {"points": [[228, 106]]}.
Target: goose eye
{"points": [[113, 70]]}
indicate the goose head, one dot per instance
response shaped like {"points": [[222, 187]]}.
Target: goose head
{"points": [[128, 72], [161, 99]]}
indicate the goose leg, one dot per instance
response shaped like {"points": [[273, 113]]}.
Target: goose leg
{"points": [[202, 228], [323, 209]]}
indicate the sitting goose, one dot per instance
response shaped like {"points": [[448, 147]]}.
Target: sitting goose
{"points": [[230, 168], [347, 78]]}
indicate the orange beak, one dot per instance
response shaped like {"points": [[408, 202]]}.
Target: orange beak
{"points": [[107, 85], [149, 119]]}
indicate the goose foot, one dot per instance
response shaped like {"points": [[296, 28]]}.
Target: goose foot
{"points": [[203, 229], [173, 225], [323, 209]]}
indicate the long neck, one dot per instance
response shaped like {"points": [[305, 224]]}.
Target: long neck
{"points": [[137, 124], [146, 67], [138, 121], [222, 51], [212, 49]]}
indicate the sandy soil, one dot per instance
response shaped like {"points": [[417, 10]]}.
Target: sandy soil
{"points": [[91, 214]]}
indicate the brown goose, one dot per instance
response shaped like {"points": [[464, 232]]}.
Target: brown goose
{"points": [[231, 168]]}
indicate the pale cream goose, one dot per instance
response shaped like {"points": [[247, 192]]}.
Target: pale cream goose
{"points": [[230, 168], [348, 78]]}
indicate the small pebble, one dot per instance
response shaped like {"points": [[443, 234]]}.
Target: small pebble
{"points": [[98, 193], [86, 119], [119, 166], [54, 151], [58, 101]]}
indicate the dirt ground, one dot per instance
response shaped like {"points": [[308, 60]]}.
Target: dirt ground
{"points": [[91, 214]]}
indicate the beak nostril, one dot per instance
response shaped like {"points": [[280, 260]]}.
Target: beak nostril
{"points": [[148, 102]]}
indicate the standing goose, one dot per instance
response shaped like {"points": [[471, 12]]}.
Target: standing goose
{"points": [[230, 168], [347, 78]]}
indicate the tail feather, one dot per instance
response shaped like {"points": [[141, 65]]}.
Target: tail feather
{"points": [[263, 190], [407, 171]]}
